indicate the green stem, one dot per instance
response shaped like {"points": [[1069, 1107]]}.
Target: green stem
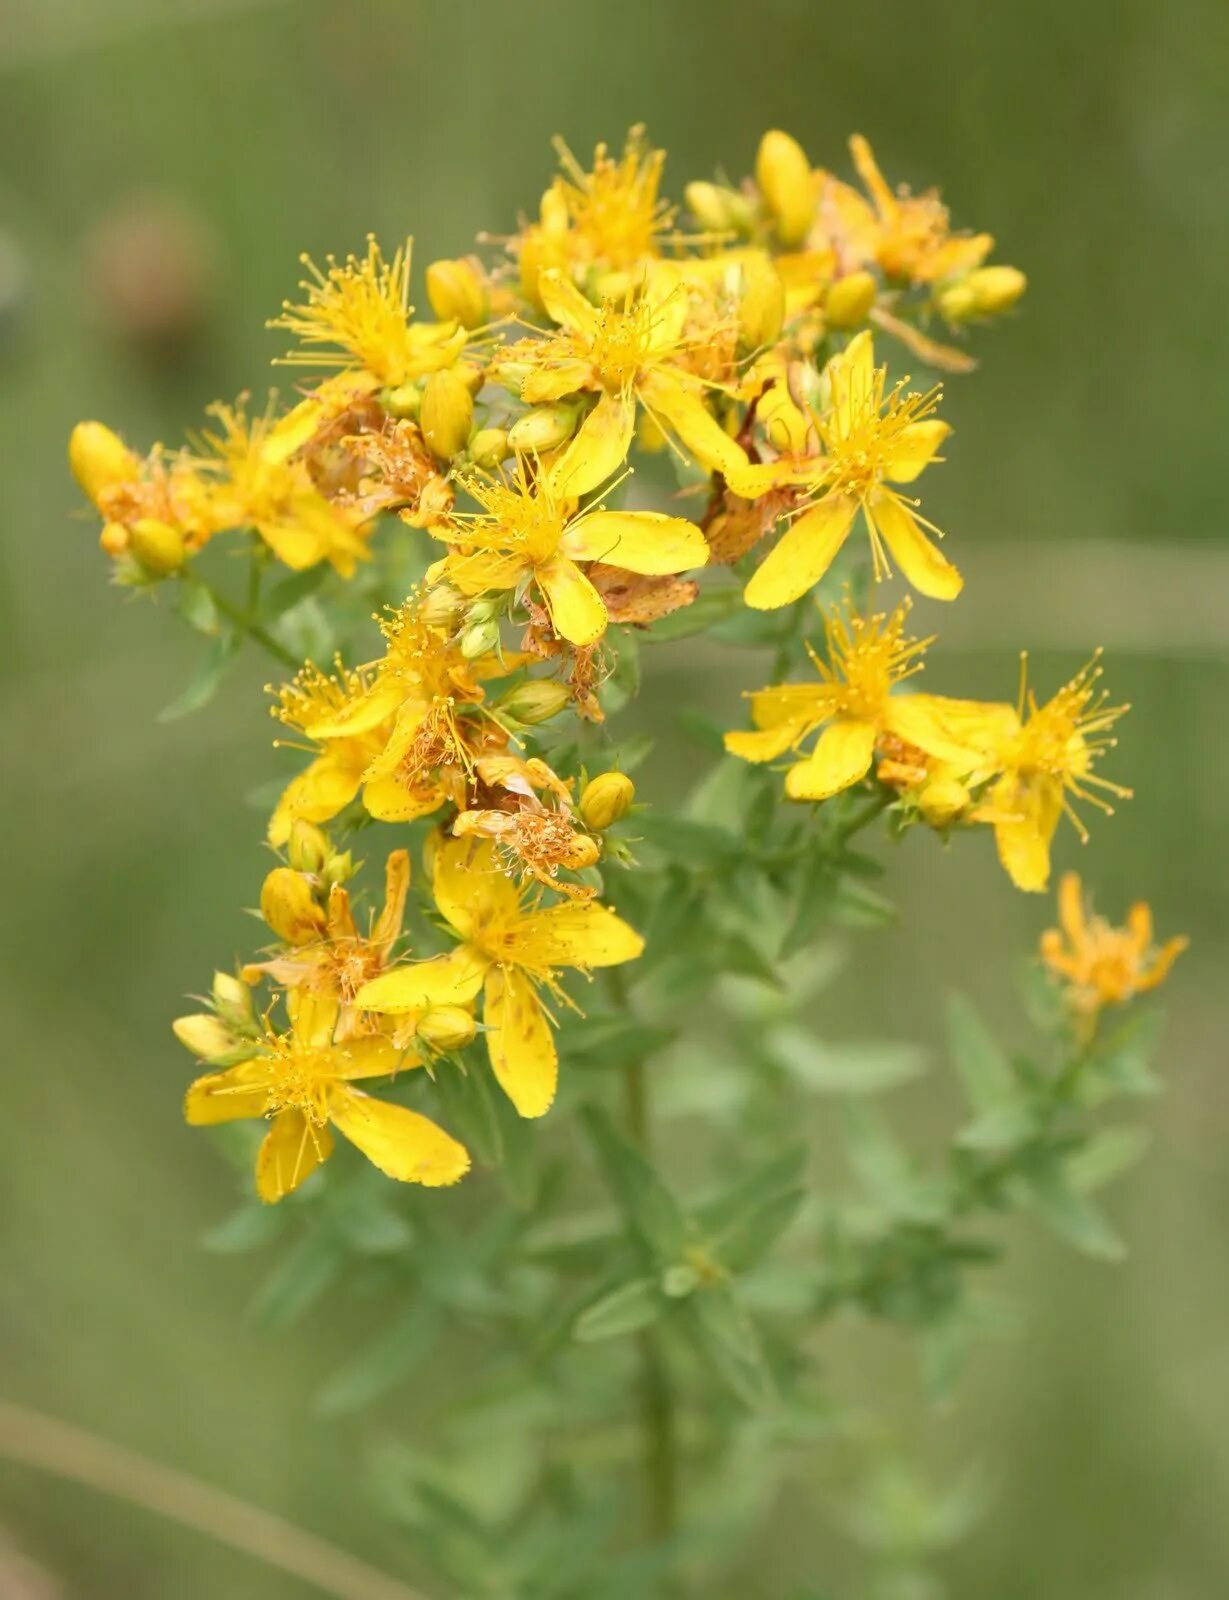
{"points": [[657, 1407], [866, 813], [253, 630]]}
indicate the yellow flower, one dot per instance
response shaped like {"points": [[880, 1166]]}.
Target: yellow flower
{"points": [[257, 478], [610, 218], [629, 353], [304, 1081], [867, 657], [528, 532], [868, 442], [1044, 760], [148, 503], [1100, 965], [358, 317], [908, 235], [511, 946]]}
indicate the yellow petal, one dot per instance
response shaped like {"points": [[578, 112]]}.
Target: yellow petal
{"points": [[396, 888], [1029, 814], [684, 413], [317, 794], [851, 375], [229, 1095], [927, 722], [553, 382], [565, 304], [573, 935], [404, 731], [388, 799], [638, 541], [470, 885], [362, 714], [922, 563], [803, 555], [371, 1056], [791, 702], [474, 573], [599, 448], [577, 611], [841, 758], [313, 1017], [765, 744], [444, 981], [403, 1144], [291, 1151], [915, 450], [294, 546], [519, 1041]]}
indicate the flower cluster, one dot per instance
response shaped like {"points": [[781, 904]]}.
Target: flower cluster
{"points": [[737, 340]]}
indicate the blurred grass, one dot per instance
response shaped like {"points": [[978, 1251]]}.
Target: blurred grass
{"points": [[1093, 141]]}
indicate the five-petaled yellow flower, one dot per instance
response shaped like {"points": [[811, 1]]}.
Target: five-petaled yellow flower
{"points": [[304, 1081], [529, 532], [869, 441], [854, 704], [511, 947], [1100, 965]]}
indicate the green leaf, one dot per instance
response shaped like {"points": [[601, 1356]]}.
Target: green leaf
{"points": [[710, 607], [407, 1340], [857, 905], [727, 1336], [612, 1041], [195, 604], [980, 1063], [1107, 1154], [631, 1306], [1122, 1062], [468, 1109], [298, 1281], [287, 594], [206, 680], [252, 1226], [1071, 1216], [1001, 1127], [854, 1067], [655, 1217], [697, 844]]}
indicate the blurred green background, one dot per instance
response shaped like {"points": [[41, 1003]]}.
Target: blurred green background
{"points": [[192, 150]]}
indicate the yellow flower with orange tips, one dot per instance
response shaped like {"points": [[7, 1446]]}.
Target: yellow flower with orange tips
{"points": [[528, 532], [1098, 964], [869, 440], [304, 1083], [511, 947]]}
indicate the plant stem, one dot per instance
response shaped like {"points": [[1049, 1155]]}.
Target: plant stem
{"points": [[659, 1462], [253, 630]]}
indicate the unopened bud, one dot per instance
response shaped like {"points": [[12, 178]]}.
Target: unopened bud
{"points": [[442, 606], [720, 209], [480, 639], [942, 800], [157, 545], [204, 1034], [232, 999], [784, 176], [99, 458], [583, 852], [761, 310], [544, 428], [489, 447], [339, 868], [113, 538], [287, 905], [985, 292], [536, 701], [457, 293], [404, 402], [605, 799], [510, 375], [447, 414], [308, 847], [446, 1027], [849, 299], [783, 421]]}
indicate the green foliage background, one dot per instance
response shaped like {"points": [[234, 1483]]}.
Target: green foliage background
{"points": [[1085, 497]]}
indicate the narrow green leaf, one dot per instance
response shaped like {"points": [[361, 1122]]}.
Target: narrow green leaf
{"points": [[727, 1336], [1070, 1215], [853, 1067], [631, 1306], [391, 1357], [195, 604], [980, 1063], [655, 1217], [298, 1281], [206, 680], [1107, 1154]]}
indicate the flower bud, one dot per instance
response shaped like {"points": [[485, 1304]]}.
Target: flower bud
{"points": [[761, 309], [489, 447], [536, 701], [784, 176], [204, 1034], [287, 905], [113, 539], [457, 293], [782, 420], [544, 428], [985, 292], [338, 869], [404, 402], [510, 375], [447, 414], [99, 458], [308, 848], [582, 852], [605, 799], [232, 999], [480, 639], [942, 800], [849, 299], [720, 209], [157, 546], [442, 606], [446, 1027]]}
